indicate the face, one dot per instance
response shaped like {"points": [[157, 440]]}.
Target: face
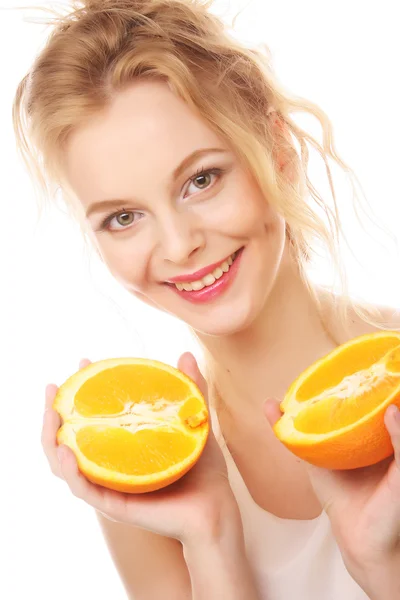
{"points": [[186, 231]]}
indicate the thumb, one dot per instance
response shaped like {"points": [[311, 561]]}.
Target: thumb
{"points": [[188, 365], [272, 410]]}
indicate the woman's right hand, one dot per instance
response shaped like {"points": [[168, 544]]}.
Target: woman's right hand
{"points": [[195, 507]]}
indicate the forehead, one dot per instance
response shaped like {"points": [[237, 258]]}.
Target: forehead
{"points": [[144, 133]]}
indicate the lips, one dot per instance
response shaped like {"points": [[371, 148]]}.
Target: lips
{"points": [[198, 274], [216, 289]]}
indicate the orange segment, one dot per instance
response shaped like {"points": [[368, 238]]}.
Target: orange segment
{"points": [[337, 412], [359, 355], [146, 451], [192, 413], [392, 361], [111, 389], [334, 411], [135, 425]]}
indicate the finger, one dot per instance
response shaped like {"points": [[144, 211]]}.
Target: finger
{"points": [[84, 362], [51, 424], [327, 486], [77, 482], [188, 365], [392, 422], [272, 410], [110, 503], [50, 394]]}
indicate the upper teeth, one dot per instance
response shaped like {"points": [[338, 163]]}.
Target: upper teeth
{"points": [[209, 279]]}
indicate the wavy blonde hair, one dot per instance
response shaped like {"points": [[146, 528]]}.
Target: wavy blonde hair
{"points": [[102, 46]]}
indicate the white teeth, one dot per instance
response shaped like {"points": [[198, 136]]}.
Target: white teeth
{"points": [[208, 279], [225, 267]]}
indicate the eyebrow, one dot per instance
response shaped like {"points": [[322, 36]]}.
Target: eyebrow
{"points": [[105, 204]]}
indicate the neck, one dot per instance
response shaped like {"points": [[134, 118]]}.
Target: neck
{"points": [[263, 359], [259, 362]]}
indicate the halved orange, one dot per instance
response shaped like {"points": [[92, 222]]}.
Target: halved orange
{"points": [[134, 425], [334, 411]]}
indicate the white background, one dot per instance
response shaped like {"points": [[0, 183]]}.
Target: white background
{"points": [[58, 304]]}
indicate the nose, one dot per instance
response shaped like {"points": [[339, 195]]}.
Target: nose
{"points": [[180, 237]]}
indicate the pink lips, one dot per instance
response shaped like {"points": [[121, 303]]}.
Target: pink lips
{"points": [[213, 291], [198, 274]]}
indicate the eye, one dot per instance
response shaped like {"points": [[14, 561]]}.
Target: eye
{"points": [[203, 178], [124, 219]]}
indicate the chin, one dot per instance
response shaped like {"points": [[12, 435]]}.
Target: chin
{"points": [[231, 309], [229, 320]]}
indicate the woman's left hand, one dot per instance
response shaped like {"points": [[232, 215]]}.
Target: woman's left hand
{"points": [[363, 506]]}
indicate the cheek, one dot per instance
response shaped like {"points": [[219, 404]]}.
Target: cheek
{"points": [[261, 217], [124, 262], [243, 212]]}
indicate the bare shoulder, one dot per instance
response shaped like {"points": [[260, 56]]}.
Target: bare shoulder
{"points": [[383, 317], [361, 318]]}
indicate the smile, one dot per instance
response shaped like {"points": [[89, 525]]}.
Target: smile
{"points": [[211, 285], [209, 279]]}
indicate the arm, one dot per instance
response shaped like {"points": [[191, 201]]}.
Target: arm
{"points": [[150, 566], [380, 582], [218, 564], [146, 533]]}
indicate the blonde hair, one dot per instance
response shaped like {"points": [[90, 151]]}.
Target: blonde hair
{"points": [[101, 46]]}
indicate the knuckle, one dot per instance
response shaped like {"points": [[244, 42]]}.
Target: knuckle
{"points": [[44, 440], [53, 464], [55, 471], [78, 495], [78, 487], [76, 490]]}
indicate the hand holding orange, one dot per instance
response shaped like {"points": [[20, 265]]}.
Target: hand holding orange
{"points": [[134, 425], [97, 449], [340, 414]]}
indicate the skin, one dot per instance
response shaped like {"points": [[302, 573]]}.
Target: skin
{"points": [[255, 331], [130, 154]]}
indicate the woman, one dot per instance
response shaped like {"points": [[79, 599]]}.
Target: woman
{"points": [[175, 149]]}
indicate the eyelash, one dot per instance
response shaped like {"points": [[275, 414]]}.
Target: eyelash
{"points": [[202, 171]]}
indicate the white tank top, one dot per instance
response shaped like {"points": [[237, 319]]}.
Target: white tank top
{"points": [[291, 559]]}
